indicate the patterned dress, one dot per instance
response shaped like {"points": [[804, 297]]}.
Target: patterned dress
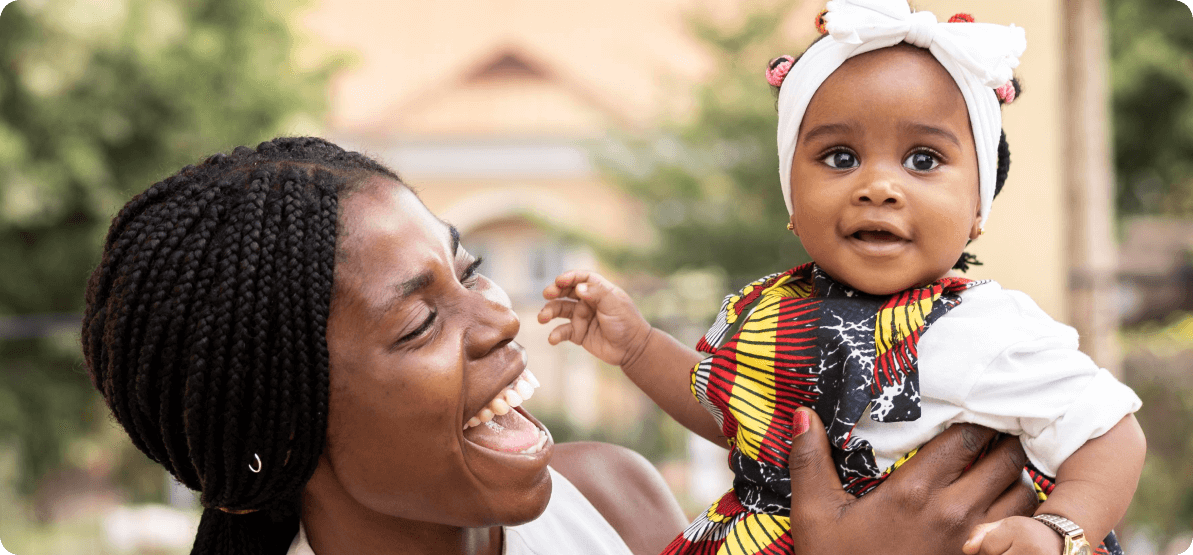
{"points": [[799, 338]]}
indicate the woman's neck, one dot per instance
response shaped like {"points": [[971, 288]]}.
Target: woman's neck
{"points": [[335, 524]]}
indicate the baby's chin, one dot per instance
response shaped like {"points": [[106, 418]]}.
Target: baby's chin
{"points": [[882, 284]]}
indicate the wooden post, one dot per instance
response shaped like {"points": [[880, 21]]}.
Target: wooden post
{"points": [[1089, 184]]}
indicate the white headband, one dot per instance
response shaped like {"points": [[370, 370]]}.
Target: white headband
{"points": [[979, 57]]}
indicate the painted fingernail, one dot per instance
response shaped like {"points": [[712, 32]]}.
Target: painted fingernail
{"points": [[800, 424]]}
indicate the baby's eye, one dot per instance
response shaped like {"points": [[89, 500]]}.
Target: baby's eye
{"points": [[841, 160], [921, 161]]}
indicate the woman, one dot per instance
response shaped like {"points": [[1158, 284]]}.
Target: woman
{"points": [[290, 332]]}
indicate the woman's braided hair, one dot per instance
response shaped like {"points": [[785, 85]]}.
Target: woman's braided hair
{"points": [[205, 329]]}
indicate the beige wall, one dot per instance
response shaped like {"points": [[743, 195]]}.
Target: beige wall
{"points": [[619, 63]]}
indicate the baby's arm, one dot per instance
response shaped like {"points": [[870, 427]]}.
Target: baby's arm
{"points": [[603, 319], [1094, 486]]}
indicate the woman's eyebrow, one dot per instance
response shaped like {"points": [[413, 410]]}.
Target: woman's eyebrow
{"points": [[414, 284], [421, 281]]}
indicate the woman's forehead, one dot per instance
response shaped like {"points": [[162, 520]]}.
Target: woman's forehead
{"points": [[389, 237]]}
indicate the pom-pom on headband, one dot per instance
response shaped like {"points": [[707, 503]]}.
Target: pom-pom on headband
{"points": [[981, 57]]}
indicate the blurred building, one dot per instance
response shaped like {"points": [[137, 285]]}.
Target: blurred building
{"points": [[1156, 279], [489, 108]]}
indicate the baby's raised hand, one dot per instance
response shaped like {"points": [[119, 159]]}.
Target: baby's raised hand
{"points": [[1017, 535], [601, 317]]}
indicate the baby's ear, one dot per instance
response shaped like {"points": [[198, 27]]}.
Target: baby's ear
{"points": [[976, 229]]}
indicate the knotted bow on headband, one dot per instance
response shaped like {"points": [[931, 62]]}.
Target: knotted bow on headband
{"points": [[979, 56]]}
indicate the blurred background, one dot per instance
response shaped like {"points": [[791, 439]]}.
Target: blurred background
{"points": [[632, 137]]}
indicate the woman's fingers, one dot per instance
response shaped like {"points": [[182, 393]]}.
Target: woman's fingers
{"points": [[948, 454], [815, 487], [1019, 499], [993, 474]]}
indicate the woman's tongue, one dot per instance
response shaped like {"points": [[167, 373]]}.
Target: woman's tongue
{"points": [[511, 432]]}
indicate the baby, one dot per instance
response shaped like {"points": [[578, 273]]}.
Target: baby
{"points": [[891, 153]]}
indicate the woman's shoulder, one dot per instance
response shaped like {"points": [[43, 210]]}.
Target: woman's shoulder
{"points": [[626, 489]]}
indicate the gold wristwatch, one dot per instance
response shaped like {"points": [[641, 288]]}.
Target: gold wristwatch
{"points": [[1075, 542]]}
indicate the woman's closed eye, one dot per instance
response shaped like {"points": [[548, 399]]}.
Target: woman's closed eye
{"points": [[840, 159], [922, 161], [422, 328], [471, 274]]}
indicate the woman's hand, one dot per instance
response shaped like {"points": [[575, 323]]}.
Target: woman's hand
{"points": [[929, 506], [601, 317]]}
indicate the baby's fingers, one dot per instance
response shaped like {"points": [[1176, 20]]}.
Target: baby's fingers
{"points": [[558, 308], [991, 538], [564, 283], [561, 333], [974, 544]]}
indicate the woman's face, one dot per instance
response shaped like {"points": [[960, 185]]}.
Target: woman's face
{"points": [[419, 344]]}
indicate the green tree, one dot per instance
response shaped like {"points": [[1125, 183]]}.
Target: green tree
{"points": [[712, 181], [1151, 70], [98, 100]]}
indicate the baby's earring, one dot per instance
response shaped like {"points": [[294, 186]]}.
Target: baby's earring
{"points": [[790, 227]]}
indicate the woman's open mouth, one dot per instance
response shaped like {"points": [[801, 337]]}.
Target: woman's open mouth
{"points": [[503, 425]]}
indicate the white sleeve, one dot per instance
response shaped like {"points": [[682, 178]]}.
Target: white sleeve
{"points": [[1035, 383]]}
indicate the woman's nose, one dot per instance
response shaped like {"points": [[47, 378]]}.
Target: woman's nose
{"points": [[879, 188], [496, 325]]}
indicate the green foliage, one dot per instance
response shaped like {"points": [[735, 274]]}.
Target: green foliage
{"points": [[711, 182], [1151, 69], [97, 101], [1159, 367]]}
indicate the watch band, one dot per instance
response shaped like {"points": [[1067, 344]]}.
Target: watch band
{"points": [[1074, 536]]}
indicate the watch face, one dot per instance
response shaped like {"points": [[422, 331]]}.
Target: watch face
{"points": [[1083, 550]]}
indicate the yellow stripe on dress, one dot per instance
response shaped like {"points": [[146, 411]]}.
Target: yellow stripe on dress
{"points": [[752, 399], [898, 323], [754, 533]]}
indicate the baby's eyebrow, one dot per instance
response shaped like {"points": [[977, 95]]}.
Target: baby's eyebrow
{"points": [[829, 129], [925, 129]]}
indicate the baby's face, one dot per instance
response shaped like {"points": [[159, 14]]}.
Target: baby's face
{"points": [[884, 180]]}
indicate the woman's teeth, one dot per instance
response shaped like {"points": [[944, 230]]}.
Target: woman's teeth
{"points": [[512, 396]]}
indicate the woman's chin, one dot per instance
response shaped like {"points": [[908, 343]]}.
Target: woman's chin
{"points": [[511, 471]]}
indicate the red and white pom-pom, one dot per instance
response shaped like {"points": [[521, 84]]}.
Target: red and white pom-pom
{"points": [[961, 18], [1006, 93], [820, 22], [777, 70]]}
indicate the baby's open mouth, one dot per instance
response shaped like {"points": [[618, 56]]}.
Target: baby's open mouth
{"points": [[502, 425], [877, 236]]}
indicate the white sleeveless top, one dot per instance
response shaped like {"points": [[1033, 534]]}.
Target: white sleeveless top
{"points": [[570, 525]]}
